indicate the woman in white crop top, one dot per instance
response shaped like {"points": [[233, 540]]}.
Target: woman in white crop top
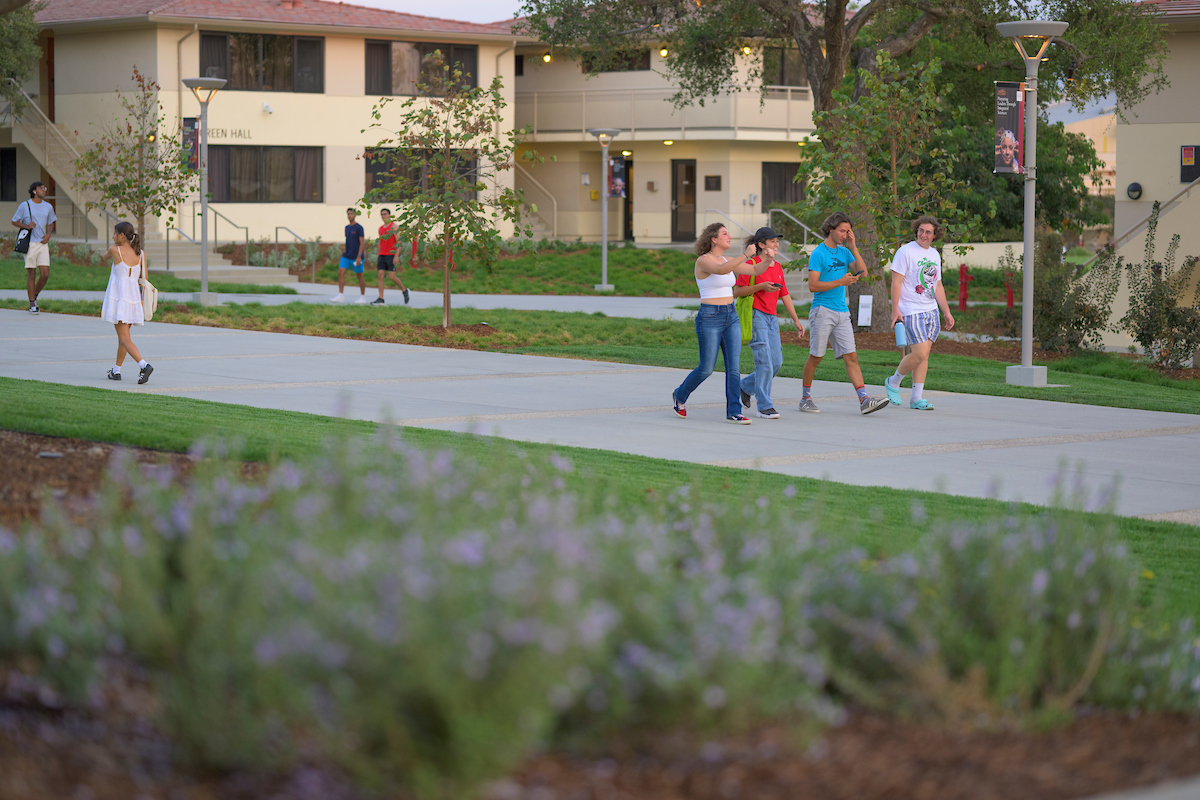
{"points": [[717, 327]]}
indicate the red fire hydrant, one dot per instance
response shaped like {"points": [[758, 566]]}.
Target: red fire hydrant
{"points": [[963, 278]]}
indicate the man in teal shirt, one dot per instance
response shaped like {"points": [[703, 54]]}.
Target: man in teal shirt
{"points": [[831, 268]]}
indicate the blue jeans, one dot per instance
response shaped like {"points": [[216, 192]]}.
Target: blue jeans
{"points": [[768, 359], [717, 328]]}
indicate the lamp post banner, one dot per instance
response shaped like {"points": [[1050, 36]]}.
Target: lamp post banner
{"points": [[1010, 126], [616, 176]]}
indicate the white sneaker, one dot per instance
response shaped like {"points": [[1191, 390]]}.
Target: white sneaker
{"points": [[361, 301], [338, 298]]}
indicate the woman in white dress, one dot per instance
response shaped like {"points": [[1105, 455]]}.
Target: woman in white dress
{"points": [[123, 297]]}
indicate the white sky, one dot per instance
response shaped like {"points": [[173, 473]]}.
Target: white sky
{"points": [[464, 10]]}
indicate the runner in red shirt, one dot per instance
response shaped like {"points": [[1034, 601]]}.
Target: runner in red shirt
{"points": [[768, 289], [386, 262]]}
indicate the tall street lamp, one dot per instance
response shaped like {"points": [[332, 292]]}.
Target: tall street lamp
{"points": [[605, 136], [204, 89], [1037, 32]]}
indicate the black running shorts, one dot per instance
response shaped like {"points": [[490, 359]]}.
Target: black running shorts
{"points": [[386, 263]]}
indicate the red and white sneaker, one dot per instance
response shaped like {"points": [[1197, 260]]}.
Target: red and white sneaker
{"points": [[738, 419], [680, 411]]}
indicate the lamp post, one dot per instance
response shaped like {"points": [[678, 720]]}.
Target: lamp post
{"points": [[605, 137], [1038, 32], [204, 89]]}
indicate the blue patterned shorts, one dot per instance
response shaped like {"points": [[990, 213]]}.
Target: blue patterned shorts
{"points": [[922, 327]]}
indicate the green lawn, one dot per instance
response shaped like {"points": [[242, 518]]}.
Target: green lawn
{"points": [[634, 272], [1094, 379], [876, 517], [67, 276]]}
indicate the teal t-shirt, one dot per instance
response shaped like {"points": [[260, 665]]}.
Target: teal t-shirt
{"points": [[831, 264]]}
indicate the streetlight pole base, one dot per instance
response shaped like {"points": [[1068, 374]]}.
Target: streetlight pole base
{"points": [[604, 287], [1017, 375], [205, 298]]}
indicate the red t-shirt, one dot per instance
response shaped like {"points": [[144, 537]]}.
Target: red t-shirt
{"points": [[766, 301], [387, 240]]}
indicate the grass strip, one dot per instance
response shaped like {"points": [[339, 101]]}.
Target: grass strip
{"points": [[66, 276], [879, 518], [1101, 379]]}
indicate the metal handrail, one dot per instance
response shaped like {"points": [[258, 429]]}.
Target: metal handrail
{"points": [[278, 228], [218, 215], [545, 191], [743, 228], [807, 230], [167, 236], [113, 218], [1116, 243]]}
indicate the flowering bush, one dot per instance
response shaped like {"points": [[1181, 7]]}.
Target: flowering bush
{"points": [[426, 620]]}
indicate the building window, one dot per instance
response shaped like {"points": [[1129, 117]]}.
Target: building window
{"points": [[395, 68], [783, 67], [384, 165], [634, 62], [519, 64], [8, 174], [248, 174], [779, 185], [264, 62]]}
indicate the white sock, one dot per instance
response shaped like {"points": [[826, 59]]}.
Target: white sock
{"points": [[896, 380], [116, 369], [142, 364], [917, 389]]}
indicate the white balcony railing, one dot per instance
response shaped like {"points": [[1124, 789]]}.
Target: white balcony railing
{"points": [[784, 113]]}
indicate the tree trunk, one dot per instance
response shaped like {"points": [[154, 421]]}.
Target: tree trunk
{"points": [[446, 281]]}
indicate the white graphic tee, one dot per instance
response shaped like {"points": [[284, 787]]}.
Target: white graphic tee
{"points": [[922, 269]]}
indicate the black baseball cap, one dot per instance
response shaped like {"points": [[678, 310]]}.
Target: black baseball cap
{"points": [[762, 234]]}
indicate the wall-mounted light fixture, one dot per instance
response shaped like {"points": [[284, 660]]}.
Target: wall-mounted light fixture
{"points": [[546, 57], [745, 51], [664, 52], [627, 153], [1134, 191], [668, 142]]}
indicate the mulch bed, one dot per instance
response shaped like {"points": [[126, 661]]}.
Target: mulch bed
{"points": [[115, 752]]}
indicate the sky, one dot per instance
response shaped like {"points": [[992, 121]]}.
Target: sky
{"points": [[464, 10]]}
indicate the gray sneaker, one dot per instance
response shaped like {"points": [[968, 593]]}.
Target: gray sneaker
{"points": [[873, 404], [808, 405]]}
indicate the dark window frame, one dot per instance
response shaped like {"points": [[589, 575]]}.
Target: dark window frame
{"points": [[8, 174], [637, 62], [225, 70], [451, 50], [375, 164], [784, 66], [220, 185], [778, 184]]}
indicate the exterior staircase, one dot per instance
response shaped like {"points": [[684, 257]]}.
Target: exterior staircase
{"points": [[185, 263]]}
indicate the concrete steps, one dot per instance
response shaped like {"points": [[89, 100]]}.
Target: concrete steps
{"points": [[185, 263]]}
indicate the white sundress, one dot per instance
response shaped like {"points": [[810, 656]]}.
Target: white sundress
{"points": [[123, 297]]}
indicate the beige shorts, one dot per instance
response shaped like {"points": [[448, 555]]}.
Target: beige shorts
{"points": [[826, 327], [38, 255]]}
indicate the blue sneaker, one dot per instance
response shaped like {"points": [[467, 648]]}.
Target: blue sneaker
{"points": [[893, 394], [921, 405]]}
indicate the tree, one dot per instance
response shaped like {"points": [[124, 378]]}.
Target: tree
{"points": [[19, 54], [133, 165], [887, 174], [443, 159]]}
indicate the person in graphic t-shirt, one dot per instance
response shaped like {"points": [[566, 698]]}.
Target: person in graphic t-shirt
{"points": [[386, 262], [831, 268], [352, 258], [768, 290], [917, 293]]}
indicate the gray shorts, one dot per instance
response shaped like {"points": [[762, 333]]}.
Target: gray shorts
{"points": [[825, 327]]}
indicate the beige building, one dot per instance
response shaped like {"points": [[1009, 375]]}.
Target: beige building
{"points": [[1157, 149], [286, 135], [1102, 131]]}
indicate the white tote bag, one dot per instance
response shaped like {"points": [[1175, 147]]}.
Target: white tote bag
{"points": [[149, 295]]}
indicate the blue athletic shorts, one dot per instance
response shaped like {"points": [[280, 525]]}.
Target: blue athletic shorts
{"points": [[348, 263], [922, 327]]}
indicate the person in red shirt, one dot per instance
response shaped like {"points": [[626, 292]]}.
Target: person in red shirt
{"points": [[768, 289], [386, 262]]}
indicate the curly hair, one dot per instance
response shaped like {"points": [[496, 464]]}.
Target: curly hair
{"points": [[938, 231], [833, 220], [704, 243]]}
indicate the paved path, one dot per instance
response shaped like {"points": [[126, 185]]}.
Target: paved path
{"points": [[972, 445]]}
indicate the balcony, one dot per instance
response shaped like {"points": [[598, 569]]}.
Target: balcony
{"points": [[784, 115]]}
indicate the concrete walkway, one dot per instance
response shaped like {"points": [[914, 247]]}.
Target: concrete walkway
{"points": [[972, 445]]}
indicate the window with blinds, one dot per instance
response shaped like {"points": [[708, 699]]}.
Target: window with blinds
{"points": [[395, 68], [779, 185], [264, 62], [250, 174]]}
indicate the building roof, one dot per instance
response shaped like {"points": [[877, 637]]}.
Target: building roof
{"points": [[309, 13], [1176, 10]]}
